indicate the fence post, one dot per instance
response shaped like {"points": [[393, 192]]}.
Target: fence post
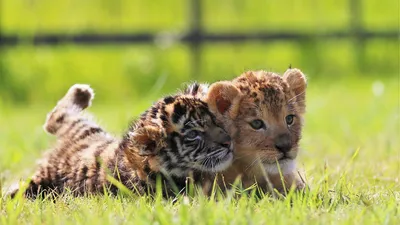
{"points": [[196, 35], [357, 32]]}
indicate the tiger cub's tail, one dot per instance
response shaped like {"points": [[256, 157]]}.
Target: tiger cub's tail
{"points": [[66, 115]]}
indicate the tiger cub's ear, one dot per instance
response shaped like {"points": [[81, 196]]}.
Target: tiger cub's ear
{"points": [[224, 98], [146, 141]]}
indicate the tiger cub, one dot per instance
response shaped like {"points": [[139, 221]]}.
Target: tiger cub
{"points": [[176, 138]]}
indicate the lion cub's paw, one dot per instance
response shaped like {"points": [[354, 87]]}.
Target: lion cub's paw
{"points": [[300, 186]]}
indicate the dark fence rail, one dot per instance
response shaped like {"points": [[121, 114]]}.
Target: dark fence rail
{"points": [[191, 38]]}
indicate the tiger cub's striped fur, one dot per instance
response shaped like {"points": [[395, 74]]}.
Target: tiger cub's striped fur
{"points": [[175, 138]]}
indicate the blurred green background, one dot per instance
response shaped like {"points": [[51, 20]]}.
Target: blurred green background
{"points": [[34, 74], [352, 99]]}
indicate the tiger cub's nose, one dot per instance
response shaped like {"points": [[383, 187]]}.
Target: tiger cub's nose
{"points": [[222, 138], [225, 140], [283, 143], [226, 144]]}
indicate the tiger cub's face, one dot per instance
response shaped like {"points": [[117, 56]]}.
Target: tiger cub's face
{"points": [[194, 139], [179, 135]]}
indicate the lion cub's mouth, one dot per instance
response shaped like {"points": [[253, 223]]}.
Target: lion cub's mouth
{"points": [[285, 156], [277, 157]]}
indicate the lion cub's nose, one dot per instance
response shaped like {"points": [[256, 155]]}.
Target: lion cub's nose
{"points": [[283, 143]]}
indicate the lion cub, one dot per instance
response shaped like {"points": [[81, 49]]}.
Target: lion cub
{"points": [[263, 113]]}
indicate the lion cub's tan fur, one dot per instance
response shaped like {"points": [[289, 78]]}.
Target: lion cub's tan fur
{"points": [[268, 97]]}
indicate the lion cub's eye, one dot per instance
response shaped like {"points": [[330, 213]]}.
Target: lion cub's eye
{"points": [[289, 119], [192, 134], [257, 124]]}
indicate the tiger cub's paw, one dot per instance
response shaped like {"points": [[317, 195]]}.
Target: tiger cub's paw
{"points": [[12, 191]]}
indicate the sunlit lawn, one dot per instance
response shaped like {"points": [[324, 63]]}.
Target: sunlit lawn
{"points": [[350, 156]]}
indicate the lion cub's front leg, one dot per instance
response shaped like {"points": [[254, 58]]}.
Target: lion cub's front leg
{"points": [[285, 182]]}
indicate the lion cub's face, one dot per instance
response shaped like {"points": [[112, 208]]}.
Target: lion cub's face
{"points": [[263, 111]]}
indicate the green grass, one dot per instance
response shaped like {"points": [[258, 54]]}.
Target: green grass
{"points": [[350, 155]]}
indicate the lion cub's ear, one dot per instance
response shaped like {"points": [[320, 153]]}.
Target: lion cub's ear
{"points": [[146, 141], [223, 97], [298, 83]]}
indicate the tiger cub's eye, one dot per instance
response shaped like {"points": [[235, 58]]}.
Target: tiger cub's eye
{"points": [[289, 119], [257, 124], [192, 134]]}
